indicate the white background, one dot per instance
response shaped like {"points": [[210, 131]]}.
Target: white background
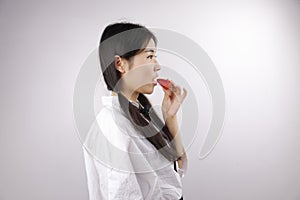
{"points": [[255, 46]]}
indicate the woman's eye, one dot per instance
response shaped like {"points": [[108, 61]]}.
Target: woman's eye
{"points": [[151, 56]]}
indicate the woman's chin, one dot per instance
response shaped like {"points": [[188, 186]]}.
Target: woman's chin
{"points": [[148, 89], [148, 92]]}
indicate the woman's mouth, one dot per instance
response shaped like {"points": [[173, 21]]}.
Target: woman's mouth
{"points": [[154, 81]]}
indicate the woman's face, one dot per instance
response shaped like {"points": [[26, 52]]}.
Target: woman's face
{"points": [[141, 72]]}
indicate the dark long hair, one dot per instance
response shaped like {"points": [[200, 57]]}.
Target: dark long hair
{"points": [[127, 40]]}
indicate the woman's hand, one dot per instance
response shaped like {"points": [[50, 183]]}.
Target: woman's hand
{"points": [[173, 98]]}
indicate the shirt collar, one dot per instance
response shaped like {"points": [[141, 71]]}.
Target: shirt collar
{"points": [[107, 100], [114, 101]]}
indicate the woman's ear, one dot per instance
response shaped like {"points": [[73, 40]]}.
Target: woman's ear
{"points": [[120, 64]]}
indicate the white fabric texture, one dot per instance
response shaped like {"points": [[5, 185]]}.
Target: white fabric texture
{"points": [[120, 164]]}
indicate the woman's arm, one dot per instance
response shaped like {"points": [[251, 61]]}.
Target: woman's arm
{"points": [[172, 125], [172, 101], [92, 176]]}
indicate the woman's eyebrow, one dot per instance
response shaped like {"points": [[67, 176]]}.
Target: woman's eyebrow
{"points": [[150, 50]]}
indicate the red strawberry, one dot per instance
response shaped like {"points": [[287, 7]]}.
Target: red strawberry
{"points": [[166, 84]]}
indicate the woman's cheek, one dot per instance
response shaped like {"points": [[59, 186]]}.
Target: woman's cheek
{"points": [[137, 78]]}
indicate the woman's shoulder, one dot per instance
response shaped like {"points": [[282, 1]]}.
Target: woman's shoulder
{"points": [[112, 115], [109, 126], [111, 108]]}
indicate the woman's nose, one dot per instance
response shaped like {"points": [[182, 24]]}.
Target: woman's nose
{"points": [[157, 67]]}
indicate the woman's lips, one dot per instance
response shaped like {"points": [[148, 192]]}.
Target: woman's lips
{"points": [[154, 81]]}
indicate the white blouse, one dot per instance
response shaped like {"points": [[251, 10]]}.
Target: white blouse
{"points": [[123, 165]]}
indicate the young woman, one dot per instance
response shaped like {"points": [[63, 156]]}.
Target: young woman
{"points": [[128, 123]]}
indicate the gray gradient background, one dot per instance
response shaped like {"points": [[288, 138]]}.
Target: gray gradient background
{"points": [[254, 45]]}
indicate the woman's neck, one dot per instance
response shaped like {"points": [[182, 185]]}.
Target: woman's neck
{"points": [[132, 97]]}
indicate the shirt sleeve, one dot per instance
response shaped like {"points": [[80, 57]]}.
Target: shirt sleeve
{"points": [[92, 176], [105, 179]]}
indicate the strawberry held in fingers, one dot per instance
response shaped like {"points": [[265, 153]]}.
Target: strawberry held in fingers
{"points": [[166, 84]]}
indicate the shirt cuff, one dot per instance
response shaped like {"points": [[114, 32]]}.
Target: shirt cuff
{"points": [[180, 172]]}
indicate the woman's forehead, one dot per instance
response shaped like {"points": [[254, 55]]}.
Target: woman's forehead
{"points": [[151, 46]]}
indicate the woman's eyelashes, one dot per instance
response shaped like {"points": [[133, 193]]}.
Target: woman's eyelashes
{"points": [[151, 56]]}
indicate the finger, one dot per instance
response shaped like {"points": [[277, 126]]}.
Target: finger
{"points": [[178, 90], [173, 83], [181, 94], [173, 87], [167, 92]]}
